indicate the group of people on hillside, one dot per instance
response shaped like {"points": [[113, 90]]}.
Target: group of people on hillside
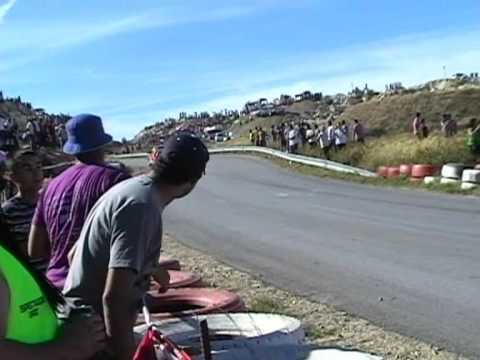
{"points": [[332, 136], [449, 128], [420, 129], [37, 133], [258, 137], [77, 254]]}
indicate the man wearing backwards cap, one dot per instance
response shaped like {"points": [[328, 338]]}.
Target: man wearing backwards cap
{"points": [[119, 246]]}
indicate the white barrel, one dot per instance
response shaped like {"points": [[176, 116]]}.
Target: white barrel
{"points": [[449, 181], [452, 171]]}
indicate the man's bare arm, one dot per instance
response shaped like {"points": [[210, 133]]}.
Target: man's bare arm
{"points": [[38, 243], [120, 311]]}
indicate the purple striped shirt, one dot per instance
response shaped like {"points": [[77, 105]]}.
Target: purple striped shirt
{"points": [[64, 206]]}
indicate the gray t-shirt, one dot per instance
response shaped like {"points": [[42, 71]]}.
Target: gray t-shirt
{"points": [[123, 230]]}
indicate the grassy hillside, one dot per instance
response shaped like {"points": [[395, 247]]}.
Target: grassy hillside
{"points": [[388, 121], [394, 114], [391, 115]]}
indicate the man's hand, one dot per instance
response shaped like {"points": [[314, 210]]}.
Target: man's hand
{"points": [[162, 277]]}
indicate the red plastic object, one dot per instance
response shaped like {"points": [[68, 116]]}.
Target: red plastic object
{"points": [[382, 171], [146, 348], [188, 302], [393, 171], [180, 279], [405, 170], [169, 263], [422, 170]]}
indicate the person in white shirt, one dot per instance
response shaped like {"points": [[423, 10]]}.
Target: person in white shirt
{"points": [[331, 135], [341, 138], [292, 140], [322, 139]]}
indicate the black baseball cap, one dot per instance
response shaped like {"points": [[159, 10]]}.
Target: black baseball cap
{"points": [[185, 152]]}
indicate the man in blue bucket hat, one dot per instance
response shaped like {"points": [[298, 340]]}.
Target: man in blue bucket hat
{"points": [[64, 205]]}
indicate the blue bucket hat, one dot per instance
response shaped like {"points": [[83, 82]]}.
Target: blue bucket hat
{"points": [[85, 133]]}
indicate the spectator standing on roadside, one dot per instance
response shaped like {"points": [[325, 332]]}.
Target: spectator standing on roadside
{"points": [[61, 134], [449, 125], [120, 244], [30, 327], [322, 139], [358, 132], [340, 137], [33, 134], [345, 129], [251, 135], [331, 135], [292, 139], [26, 173], [64, 205], [284, 137], [311, 137], [424, 130], [7, 188], [416, 125], [274, 134], [473, 137]]}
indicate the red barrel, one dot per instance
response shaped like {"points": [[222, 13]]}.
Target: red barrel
{"points": [[393, 171], [406, 170], [422, 170], [382, 171]]}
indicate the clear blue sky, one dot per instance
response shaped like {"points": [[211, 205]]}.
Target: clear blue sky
{"points": [[136, 62]]}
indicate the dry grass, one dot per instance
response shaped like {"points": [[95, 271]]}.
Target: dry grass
{"points": [[394, 114]]}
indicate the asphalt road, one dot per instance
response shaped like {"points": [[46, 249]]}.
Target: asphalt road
{"points": [[406, 260]]}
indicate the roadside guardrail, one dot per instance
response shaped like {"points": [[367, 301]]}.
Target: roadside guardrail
{"points": [[300, 159]]}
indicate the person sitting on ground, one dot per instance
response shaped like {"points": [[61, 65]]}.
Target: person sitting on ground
{"points": [[35, 332], [416, 125], [120, 244], [341, 138], [64, 205], [358, 132], [26, 172], [473, 137]]}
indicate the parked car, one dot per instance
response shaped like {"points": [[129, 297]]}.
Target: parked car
{"points": [[221, 137]]}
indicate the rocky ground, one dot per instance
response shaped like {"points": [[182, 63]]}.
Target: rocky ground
{"points": [[325, 325]]}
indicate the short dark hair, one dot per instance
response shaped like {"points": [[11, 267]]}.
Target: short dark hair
{"points": [[19, 158]]}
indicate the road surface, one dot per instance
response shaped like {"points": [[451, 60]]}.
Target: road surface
{"points": [[406, 260]]}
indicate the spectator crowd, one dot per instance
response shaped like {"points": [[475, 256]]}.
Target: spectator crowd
{"points": [[77, 252], [38, 132], [290, 137]]}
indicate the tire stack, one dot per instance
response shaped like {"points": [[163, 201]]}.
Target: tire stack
{"points": [[186, 296], [471, 178], [421, 172], [452, 174]]}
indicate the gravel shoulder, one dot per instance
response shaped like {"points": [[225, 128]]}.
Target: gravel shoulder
{"points": [[325, 325]]}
